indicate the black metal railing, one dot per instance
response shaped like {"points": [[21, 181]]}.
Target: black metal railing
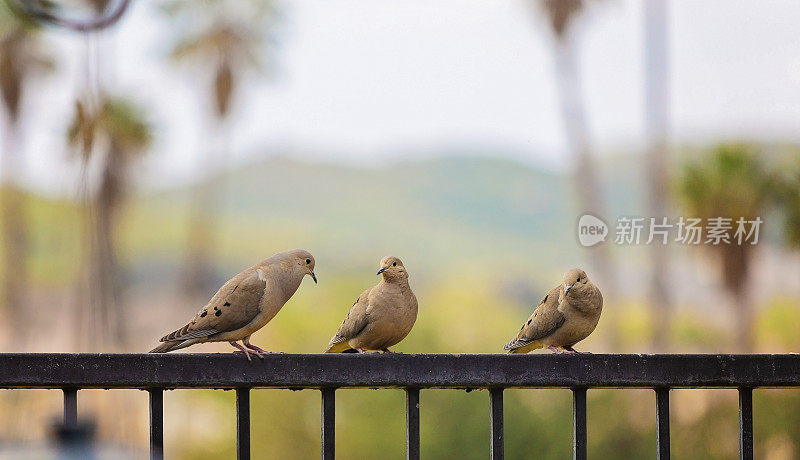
{"points": [[156, 373]]}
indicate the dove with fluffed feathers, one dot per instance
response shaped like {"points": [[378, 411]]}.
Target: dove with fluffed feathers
{"points": [[565, 316], [245, 304], [382, 315]]}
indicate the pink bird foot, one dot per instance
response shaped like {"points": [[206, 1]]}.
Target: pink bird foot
{"points": [[260, 350], [246, 351]]}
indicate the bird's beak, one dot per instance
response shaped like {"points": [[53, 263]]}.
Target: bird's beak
{"points": [[382, 270], [567, 288], [313, 276]]}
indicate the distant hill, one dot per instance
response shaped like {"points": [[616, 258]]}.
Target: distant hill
{"points": [[450, 211], [448, 216]]}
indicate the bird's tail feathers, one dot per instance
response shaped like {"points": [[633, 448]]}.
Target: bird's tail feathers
{"points": [[518, 346], [512, 344], [173, 345], [164, 347], [339, 347]]}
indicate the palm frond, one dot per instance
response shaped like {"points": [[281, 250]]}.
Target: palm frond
{"points": [[561, 13], [116, 120]]}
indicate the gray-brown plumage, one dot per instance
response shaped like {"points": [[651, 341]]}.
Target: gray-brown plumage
{"points": [[564, 317], [382, 315], [244, 304]]}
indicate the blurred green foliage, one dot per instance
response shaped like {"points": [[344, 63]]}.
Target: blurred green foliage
{"points": [[790, 199], [731, 181]]}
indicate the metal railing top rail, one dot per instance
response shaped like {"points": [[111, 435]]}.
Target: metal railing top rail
{"points": [[187, 370], [72, 372]]}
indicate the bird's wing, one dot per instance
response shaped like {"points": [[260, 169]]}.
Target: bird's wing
{"points": [[545, 320], [234, 306], [355, 322]]}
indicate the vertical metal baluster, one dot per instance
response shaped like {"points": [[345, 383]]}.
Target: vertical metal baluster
{"points": [[156, 423], [243, 423], [662, 422], [496, 409], [412, 423], [579, 423], [328, 423], [746, 423], [70, 407]]}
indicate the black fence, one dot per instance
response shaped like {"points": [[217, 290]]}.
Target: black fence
{"points": [[156, 373]]}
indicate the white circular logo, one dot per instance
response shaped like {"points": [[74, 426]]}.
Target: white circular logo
{"points": [[591, 230]]}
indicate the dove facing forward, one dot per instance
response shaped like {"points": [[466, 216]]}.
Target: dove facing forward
{"points": [[564, 317], [244, 304], [382, 315]]}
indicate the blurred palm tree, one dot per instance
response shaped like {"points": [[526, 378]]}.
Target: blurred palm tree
{"points": [[562, 15], [656, 124], [115, 135], [225, 39], [731, 182], [21, 56]]}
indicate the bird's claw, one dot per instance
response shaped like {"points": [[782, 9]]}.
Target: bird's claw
{"points": [[260, 352], [247, 354], [574, 351]]}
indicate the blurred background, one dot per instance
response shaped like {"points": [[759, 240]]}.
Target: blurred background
{"points": [[151, 150]]}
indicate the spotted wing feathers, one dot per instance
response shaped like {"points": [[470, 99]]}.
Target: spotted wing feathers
{"points": [[544, 321], [355, 322], [233, 307]]}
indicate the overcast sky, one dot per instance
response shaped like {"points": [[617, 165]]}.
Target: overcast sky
{"points": [[368, 81]]}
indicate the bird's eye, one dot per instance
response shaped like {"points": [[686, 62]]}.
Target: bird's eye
{"points": [[394, 264], [579, 280], [308, 261]]}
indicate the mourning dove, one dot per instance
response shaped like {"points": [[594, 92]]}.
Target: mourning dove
{"points": [[564, 317], [382, 315], [244, 304]]}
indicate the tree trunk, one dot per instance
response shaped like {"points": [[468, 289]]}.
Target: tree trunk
{"points": [[656, 126], [584, 170], [15, 233], [201, 240], [105, 277], [745, 332], [735, 264]]}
